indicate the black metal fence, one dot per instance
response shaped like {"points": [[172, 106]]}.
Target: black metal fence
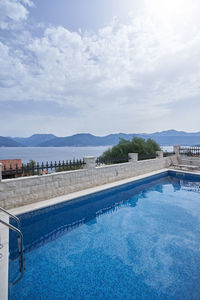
{"points": [[166, 154], [190, 151], [146, 156], [33, 168], [110, 161]]}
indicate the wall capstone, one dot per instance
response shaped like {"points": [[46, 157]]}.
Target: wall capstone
{"points": [[132, 157], [90, 162], [159, 154], [176, 149]]}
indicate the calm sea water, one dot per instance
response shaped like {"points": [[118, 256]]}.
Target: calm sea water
{"points": [[44, 154], [40, 154], [167, 148]]}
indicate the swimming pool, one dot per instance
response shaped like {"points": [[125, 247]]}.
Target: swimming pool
{"points": [[137, 241]]}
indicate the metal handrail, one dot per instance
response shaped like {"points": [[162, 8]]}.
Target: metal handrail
{"points": [[12, 216], [20, 248]]}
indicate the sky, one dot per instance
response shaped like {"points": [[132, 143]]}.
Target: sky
{"points": [[99, 66]]}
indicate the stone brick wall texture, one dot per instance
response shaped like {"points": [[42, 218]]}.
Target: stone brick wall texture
{"points": [[26, 190], [187, 160]]}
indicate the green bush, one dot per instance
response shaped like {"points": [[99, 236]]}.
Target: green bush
{"points": [[68, 168], [30, 168], [136, 145]]}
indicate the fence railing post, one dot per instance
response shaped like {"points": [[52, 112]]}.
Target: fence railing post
{"points": [[90, 162], [132, 157], [176, 150], [0, 172], [159, 154]]}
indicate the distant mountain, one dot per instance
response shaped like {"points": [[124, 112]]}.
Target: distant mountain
{"points": [[164, 138], [177, 140], [173, 137], [34, 140], [85, 139], [170, 137], [8, 142], [173, 132]]}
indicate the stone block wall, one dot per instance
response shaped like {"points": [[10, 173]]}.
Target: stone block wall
{"points": [[188, 160], [26, 190], [184, 159]]}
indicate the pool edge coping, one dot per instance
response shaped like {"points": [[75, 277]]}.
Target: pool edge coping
{"points": [[71, 196]]}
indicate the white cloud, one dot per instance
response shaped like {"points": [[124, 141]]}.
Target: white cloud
{"points": [[13, 10], [28, 3], [131, 72]]}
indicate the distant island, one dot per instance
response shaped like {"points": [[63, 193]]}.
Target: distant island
{"points": [[163, 138]]}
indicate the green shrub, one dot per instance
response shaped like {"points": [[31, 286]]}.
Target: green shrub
{"points": [[136, 145]]}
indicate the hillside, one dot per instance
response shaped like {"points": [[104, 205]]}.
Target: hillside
{"points": [[164, 138], [34, 140], [8, 142], [170, 137], [85, 139]]}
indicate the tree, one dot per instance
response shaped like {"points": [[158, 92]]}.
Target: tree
{"points": [[136, 145]]}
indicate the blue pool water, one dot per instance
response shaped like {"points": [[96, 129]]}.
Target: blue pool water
{"points": [[137, 241]]}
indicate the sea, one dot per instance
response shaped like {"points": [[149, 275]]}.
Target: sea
{"points": [[44, 154]]}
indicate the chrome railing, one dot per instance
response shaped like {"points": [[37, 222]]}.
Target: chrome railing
{"points": [[12, 216], [19, 242]]}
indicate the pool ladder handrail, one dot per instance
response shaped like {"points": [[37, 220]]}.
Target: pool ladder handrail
{"points": [[12, 216], [19, 242]]}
